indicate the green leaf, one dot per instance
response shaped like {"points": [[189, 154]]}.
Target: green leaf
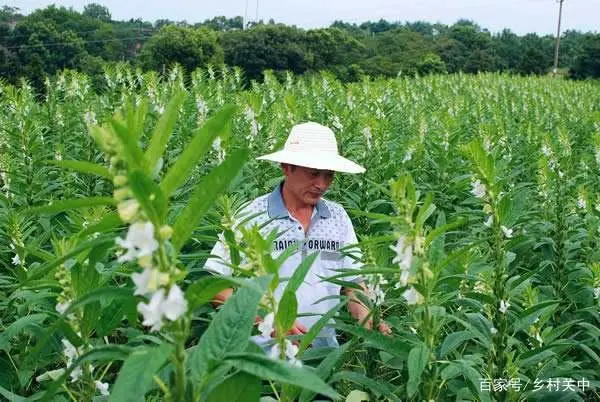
{"points": [[83, 167], [135, 377], [417, 361], [454, 340], [20, 325], [149, 195], [204, 290], [317, 327], [426, 210], [378, 387], [204, 196], [528, 316], [396, 346], [229, 331], [131, 151], [287, 311], [324, 369], [66, 205], [102, 294], [240, 387], [162, 131], [277, 370], [110, 221], [590, 353], [14, 397], [300, 273], [44, 269], [218, 125], [99, 353]]}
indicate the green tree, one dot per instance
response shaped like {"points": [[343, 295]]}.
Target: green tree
{"points": [[276, 47], [190, 47], [97, 12], [335, 50], [432, 63], [535, 56], [587, 63], [397, 51], [42, 49], [222, 23]]}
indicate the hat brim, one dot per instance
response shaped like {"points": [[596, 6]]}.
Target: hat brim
{"points": [[315, 160]]}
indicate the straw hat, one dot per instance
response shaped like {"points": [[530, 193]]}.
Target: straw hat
{"points": [[313, 145]]}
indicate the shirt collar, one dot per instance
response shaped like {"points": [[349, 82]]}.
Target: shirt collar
{"points": [[276, 208]]}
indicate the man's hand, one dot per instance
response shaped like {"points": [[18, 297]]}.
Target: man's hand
{"points": [[383, 327], [360, 312], [297, 329]]}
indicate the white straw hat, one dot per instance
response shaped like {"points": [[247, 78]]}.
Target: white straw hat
{"points": [[313, 145]]}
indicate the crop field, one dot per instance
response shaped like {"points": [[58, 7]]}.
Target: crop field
{"points": [[478, 220]]}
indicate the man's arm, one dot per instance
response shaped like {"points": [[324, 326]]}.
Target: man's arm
{"points": [[360, 312], [221, 297]]}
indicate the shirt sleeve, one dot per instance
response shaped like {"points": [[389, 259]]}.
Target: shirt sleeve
{"points": [[352, 255]]}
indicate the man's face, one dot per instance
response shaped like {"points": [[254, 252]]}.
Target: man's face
{"points": [[307, 184]]}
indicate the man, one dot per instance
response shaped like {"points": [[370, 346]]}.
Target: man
{"points": [[296, 210]]}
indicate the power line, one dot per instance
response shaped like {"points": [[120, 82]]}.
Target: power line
{"points": [[76, 42], [81, 32]]}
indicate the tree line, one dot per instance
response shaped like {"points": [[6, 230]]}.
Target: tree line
{"points": [[55, 38]]}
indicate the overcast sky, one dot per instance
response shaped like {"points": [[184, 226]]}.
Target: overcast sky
{"points": [[521, 16]]}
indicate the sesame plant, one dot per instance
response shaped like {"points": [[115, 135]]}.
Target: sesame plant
{"points": [[478, 222]]}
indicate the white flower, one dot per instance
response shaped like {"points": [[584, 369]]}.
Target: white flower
{"points": [[504, 305], [16, 260], [404, 277], [202, 107], [412, 296], [489, 222], [139, 241], [102, 387], [175, 305], [478, 189], [404, 254], [581, 202], [62, 307], [291, 351], [375, 293], [493, 330], [249, 114], [50, 375], [266, 326], [546, 150], [539, 338], [408, 155], [508, 233], [337, 124], [149, 281], [152, 312], [367, 134], [172, 307], [90, 118], [70, 351], [58, 155], [76, 374], [597, 293]]}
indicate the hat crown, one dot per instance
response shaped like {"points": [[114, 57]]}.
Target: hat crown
{"points": [[311, 137]]}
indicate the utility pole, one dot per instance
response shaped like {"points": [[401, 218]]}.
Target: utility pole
{"points": [[245, 16], [256, 19], [555, 69]]}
